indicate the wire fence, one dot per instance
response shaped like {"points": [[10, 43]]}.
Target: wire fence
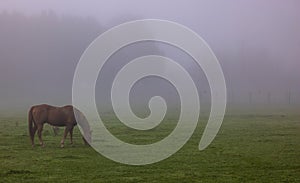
{"points": [[258, 101]]}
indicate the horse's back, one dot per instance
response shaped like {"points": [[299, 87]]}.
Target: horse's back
{"points": [[56, 116]]}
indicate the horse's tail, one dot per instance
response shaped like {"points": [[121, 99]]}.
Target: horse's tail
{"points": [[87, 131], [30, 125], [84, 125]]}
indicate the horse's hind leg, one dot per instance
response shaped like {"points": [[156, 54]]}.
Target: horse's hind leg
{"points": [[33, 134], [40, 129]]}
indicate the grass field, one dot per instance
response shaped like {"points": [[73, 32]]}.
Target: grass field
{"points": [[247, 149]]}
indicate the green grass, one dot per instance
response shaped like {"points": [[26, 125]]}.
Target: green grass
{"points": [[247, 149]]}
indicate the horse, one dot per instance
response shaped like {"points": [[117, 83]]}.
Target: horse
{"points": [[38, 115]]}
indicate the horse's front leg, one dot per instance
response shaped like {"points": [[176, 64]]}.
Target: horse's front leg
{"points": [[64, 137], [71, 135], [40, 129]]}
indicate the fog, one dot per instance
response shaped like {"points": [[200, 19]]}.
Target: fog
{"points": [[256, 42]]}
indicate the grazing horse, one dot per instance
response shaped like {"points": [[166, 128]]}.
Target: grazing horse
{"points": [[57, 116]]}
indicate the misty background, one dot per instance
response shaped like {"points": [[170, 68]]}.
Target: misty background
{"points": [[256, 42]]}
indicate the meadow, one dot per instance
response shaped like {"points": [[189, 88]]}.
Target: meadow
{"points": [[248, 148]]}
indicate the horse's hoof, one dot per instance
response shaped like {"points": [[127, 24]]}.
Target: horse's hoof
{"points": [[32, 145], [62, 145]]}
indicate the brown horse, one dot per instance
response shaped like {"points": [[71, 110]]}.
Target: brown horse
{"points": [[57, 116]]}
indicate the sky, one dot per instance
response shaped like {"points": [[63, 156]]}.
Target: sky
{"points": [[257, 43]]}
